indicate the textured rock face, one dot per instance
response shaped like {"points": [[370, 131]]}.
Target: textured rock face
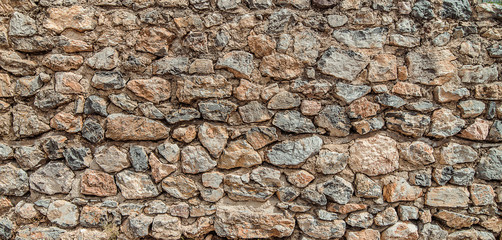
{"points": [[374, 156], [130, 127], [294, 153]]}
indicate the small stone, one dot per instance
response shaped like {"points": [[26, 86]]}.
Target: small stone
{"points": [[330, 162], [445, 124], [456, 220], [348, 93], [139, 158], [166, 227], [169, 151], [488, 91], [306, 46], [240, 63], [154, 40], [136, 185], [421, 106], [442, 174], [450, 93], [217, 110], [239, 154], [311, 88], [404, 41], [95, 105], [374, 156], [159, 169], [284, 100], [482, 194], [261, 136], [150, 111], [337, 190], [344, 64], [247, 91], [66, 122], [111, 159], [471, 108], [5, 152], [153, 89], [74, 45], [13, 180], [293, 121], [456, 9], [407, 89], [311, 195], [238, 188], [366, 234], [493, 224], [28, 86], [366, 38], [417, 153], [407, 123], [455, 153], [310, 107], [52, 178], [386, 217], [123, 101], [463, 176], [390, 100], [92, 131], [421, 178], [60, 62], [68, 83], [213, 138], [180, 115], [194, 87], [401, 231], [281, 66], [106, 59], [360, 219], [300, 178], [362, 108], [75, 17], [334, 119], [441, 39], [26, 123], [22, 25], [12, 62], [98, 184], [495, 133], [447, 196], [287, 194], [137, 226], [266, 177], [366, 187], [63, 213], [408, 212], [401, 190], [108, 80], [423, 10], [180, 187], [368, 125], [431, 68], [194, 159], [212, 179], [121, 127], [170, 65], [185, 134], [318, 228], [294, 152], [254, 112], [337, 20], [477, 131], [261, 45]]}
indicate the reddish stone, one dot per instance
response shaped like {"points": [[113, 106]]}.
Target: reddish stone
{"points": [[477, 131], [98, 184], [401, 190], [122, 127], [362, 108], [154, 89], [407, 89]]}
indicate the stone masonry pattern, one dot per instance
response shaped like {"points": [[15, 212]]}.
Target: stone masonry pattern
{"points": [[250, 119]]}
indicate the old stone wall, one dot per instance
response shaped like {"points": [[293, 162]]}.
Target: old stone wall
{"points": [[226, 119]]}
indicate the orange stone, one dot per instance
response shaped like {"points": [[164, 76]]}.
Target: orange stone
{"points": [[477, 131], [66, 122], [261, 45], [366, 234], [160, 170], [122, 127], [98, 183], [346, 208], [154, 89], [362, 108], [407, 89], [401, 190]]}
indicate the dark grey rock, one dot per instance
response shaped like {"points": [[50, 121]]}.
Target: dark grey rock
{"points": [[33, 44], [408, 123], [151, 111], [495, 133], [348, 92], [200, 4], [217, 110], [491, 111], [254, 112], [463, 176], [95, 105], [421, 178], [171, 65], [293, 121], [423, 9], [6, 228], [123, 101], [490, 166], [77, 158], [287, 194], [422, 106], [495, 51], [222, 39], [390, 100], [92, 131], [313, 196], [108, 80], [259, 4], [49, 99], [456, 9], [53, 146], [335, 120], [337, 190], [442, 175], [180, 115], [293, 153], [139, 158]]}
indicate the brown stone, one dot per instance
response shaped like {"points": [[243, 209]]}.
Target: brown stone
{"points": [[401, 190], [366, 234], [489, 91], [202, 66], [433, 67], [319, 228], [445, 123], [402, 73], [185, 134], [239, 154], [456, 220], [447, 196], [121, 127], [153, 89], [6, 88], [190, 88], [68, 83], [60, 62], [281, 66], [160, 170], [401, 231], [75, 17], [68, 122], [482, 194], [74, 45], [346, 208], [154, 40], [477, 131], [261, 136], [493, 224], [407, 89], [300, 178], [382, 68], [12, 62], [97, 183], [213, 138], [374, 155], [362, 108], [261, 45], [247, 91], [310, 107]]}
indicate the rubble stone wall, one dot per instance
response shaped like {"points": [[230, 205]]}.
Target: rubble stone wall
{"points": [[232, 119]]}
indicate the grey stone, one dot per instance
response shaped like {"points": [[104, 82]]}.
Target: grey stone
{"points": [[13, 181], [306, 47], [92, 131], [261, 136], [318, 228], [139, 225], [360, 219], [222, 38], [445, 124], [344, 64], [22, 25], [337, 190], [149, 110], [441, 39], [283, 42], [49, 233], [423, 10], [330, 162], [195, 159], [311, 89], [228, 4], [313, 196], [139, 158], [63, 213], [106, 59], [390, 100], [171, 65], [284, 100], [33, 44], [266, 177], [52, 178], [417, 153], [335, 120], [279, 21], [433, 232], [324, 3], [495, 133], [348, 92], [326, 216], [29, 157], [95, 105], [407, 213], [6, 228], [49, 99], [456, 9], [180, 187], [404, 41], [471, 108], [259, 4], [366, 38], [407, 123], [337, 20], [478, 74], [292, 153], [111, 159], [406, 25], [123, 101], [288, 194], [421, 178], [490, 165], [495, 51], [421, 106], [78, 158], [108, 80], [463, 176], [28, 86], [200, 4], [135, 185], [217, 110], [455, 153], [254, 112], [491, 111], [12, 62], [442, 175], [169, 151], [183, 114], [53, 146], [240, 63], [293, 121], [5, 152], [368, 125]]}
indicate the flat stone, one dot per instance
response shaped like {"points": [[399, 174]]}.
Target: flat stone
{"points": [[293, 121], [445, 124], [482, 194], [26, 123], [63, 213], [320, 229], [386, 217], [13, 180], [201, 66], [198, 87], [471, 108], [52, 178], [213, 138], [180, 187], [402, 231], [92, 131], [28, 86], [66, 122], [154, 89], [60, 62], [33, 44], [281, 66], [324, 3], [239, 63], [123, 101], [139, 158], [431, 68], [401, 190], [95, 105], [367, 234], [348, 92], [75, 17], [366, 38], [135, 185], [239, 154], [12, 62], [98, 184], [477, 74], [421, 106], [261, 136], [447, 196], [300, 178], [423, 10], [360, 219], [463, 176], [362, 108], [407, 123], [450, 93], [29, 157], [456, 220], [477, 131], [22, 25], [122, 127], [366, 187], [292, 153], [337, 190], [343, 64], [374, 156], [195, 159], [171, 65], [68, 83], [254, 112], [334, 119], [417, 153], [407, 89], [331, 162], [390, 100], [28, 232], [403, 41], [488, 91], [154, 40], [217, 110], [111, 159], [284, 100], [108, 80], [106, 59], [493, 224], [182, 114]]}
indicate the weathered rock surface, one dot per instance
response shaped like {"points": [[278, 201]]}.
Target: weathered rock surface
{"points": [[129, 127], [374, 156]]}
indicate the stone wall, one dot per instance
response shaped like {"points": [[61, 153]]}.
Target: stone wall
{"points": [[225, 119]]}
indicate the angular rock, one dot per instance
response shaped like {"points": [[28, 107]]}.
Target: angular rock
{"points": [[137, 226], [401, 231], [293, 153], [445, 124], [180, 187], [95, 105], [92, 131], [334, 119], [401, 190], [477, 74], [456, 220], [337, 190], [360, 219], [60, 62], [108, 80], [417, 153], [239, 154], [213, 138], [331, 162], [456, 9], [284, 100], [136, 185], [367, 234], [159, 169], [261, 136], [153, 89], [52, 178], [75, 17], [362, 108], [311, 89], [344, 64], [463, 176], [471, 108], [13, 180], [154, 40], [293, 121], [239, 63], [198, 87], [366, 187], [261, 45], [106, 59], [431, 68], [217, 110], [447, 196], [63, 213], [442, 174], [194, 159], [366, 38], [320, 229], [407, 89], [183, 114], [482, 194], [169, 151], [166, 227], [22, 25], [407, 123], [423, 10], [254, 112], [390, 100], [26, 122], [374, 156], [368, 125], [111, 159], [29, 157], [450, 93], [97, 183], [5, 152], [139, 158], [495, 133], [281, 66], [386, 217], [348, 93], [300, 178], [477, 131], [12, 62], [66, 122], [124, 102], [68, 83], [247, 91], [122, 127]]}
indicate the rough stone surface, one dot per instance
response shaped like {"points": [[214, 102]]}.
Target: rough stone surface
{"points": [[130, 127], [374, 156], [294, 153], [343, 64], [52, 178], [134, 185]]}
